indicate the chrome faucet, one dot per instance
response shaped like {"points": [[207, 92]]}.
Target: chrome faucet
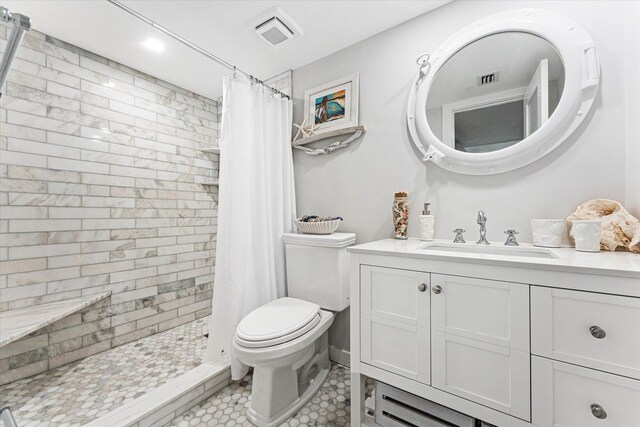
{"points": [[482, 220]]}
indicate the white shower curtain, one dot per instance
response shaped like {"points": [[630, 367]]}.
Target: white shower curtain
{"points": [[256, 206]]}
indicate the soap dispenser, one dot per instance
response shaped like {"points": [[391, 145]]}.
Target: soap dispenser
{"points": [[427, 222]]}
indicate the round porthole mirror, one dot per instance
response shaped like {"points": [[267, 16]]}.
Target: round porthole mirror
{"points": [[503, 92]]}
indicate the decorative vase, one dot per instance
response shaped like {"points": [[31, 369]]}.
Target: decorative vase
{"points": [[400, 215]]}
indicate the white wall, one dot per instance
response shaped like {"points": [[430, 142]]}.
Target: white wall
{"points": [[358, 183]]}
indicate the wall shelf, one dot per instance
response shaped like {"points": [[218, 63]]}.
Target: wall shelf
{"points": [[329, 134]]}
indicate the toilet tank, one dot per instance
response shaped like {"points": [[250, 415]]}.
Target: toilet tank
{"points": [[318, 268]]}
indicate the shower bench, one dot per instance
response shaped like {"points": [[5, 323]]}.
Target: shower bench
{"points": [[20, 322]]}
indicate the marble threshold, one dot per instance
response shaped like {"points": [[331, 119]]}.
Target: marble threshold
{"points": [[170, 400], [18, 323]]}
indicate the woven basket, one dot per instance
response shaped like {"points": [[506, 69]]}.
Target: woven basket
{"points": [[321, 227]]}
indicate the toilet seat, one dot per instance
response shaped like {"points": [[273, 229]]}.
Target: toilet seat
{"points": [[277, 322]]}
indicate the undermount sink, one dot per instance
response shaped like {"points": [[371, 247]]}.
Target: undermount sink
{"points": [[471, 248]]}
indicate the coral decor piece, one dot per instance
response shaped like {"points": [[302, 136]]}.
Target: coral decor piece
{"points": [[619, 227]]}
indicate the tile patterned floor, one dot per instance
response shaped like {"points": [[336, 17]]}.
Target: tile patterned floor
{"points": [[329, 407], [77, 393]]}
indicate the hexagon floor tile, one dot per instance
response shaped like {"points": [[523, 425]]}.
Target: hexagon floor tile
{"points": [[330, 407], [82, 391]]}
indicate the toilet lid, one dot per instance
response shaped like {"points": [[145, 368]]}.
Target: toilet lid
{"points": [[278, 321]]}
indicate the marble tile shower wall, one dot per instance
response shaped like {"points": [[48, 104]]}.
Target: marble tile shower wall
{"points": [[100, 170]]}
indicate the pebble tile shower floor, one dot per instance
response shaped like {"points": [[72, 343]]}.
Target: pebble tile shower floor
{"points": [[82, 391]]}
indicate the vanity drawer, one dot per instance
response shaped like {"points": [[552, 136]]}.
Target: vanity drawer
{"points": [[565, 395], [594, 330]]}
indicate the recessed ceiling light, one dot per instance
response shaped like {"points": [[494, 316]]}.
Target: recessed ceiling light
{"points": [[154, 45]]}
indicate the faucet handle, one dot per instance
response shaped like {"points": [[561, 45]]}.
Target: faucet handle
{"points": [[459, 237], [511, 237]]}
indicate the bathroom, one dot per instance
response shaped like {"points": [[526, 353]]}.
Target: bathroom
{"points": [[119, 219]]}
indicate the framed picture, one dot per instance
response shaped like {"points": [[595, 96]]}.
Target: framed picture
{"points": [[333, 105]]}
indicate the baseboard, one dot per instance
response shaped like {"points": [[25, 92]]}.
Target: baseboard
{"points": [[170, 400], [340, 356]]}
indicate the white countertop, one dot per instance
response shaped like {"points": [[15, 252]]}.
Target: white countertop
{"points": [[623, 264]]}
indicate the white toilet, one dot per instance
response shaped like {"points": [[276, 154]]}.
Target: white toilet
{"points": [[286, 340]]}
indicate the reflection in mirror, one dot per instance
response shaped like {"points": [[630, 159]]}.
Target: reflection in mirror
{"points": [[495, 92]]}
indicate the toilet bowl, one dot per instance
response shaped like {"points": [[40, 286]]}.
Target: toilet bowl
{"points": [[286, 340]]}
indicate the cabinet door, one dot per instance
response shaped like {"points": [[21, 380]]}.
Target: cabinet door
{"points": [[395, 321], [566, 395], [480, 342]]}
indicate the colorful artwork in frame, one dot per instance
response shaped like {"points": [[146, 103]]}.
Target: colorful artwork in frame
{"points": [[330, 107], [333, 105]]}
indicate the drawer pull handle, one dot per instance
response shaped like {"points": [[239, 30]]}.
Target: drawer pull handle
{"points": [[597, 332], [598, 411], [437, 289], [422, 287]]}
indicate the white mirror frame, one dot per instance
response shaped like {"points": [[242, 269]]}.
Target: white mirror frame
{"points": [[582, 78]]}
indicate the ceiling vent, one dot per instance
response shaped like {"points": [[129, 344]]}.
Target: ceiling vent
{"points": [[488, 78], [276, 27]]}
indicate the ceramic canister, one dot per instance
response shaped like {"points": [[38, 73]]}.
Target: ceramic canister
{"points": [[547, 232], [400, 215], [587, 234]]}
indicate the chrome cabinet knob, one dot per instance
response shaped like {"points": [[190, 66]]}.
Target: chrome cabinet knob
{"points": [[422, 287], [597, 332], [437, 289], [598, 411]]}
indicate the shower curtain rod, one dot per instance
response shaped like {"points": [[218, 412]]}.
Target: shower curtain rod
{"points": [[21, 23], [193, 46]]}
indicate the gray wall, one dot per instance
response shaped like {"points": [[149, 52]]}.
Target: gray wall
{"points": [[100, 174], [358, 183]]}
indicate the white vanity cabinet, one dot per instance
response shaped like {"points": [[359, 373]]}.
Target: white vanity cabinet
{"points": [[468, 337], [511, 341]]}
